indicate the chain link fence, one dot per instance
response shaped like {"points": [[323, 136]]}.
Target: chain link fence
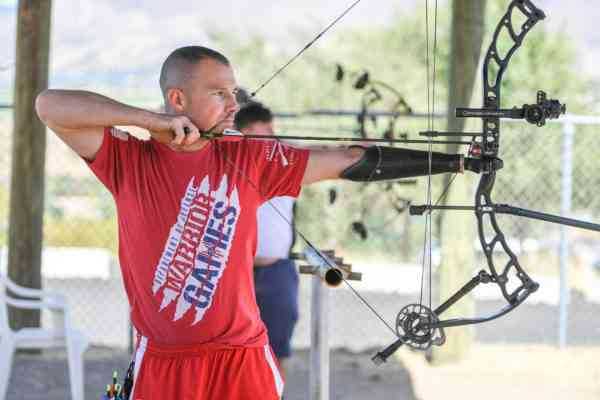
{"points": [[80, 239]]}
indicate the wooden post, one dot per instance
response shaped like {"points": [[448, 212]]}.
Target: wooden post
{"points": [[28, 152], [457, 230]]}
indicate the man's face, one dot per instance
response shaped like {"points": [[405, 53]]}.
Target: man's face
{"points": [[259, 128], [210, 96]]}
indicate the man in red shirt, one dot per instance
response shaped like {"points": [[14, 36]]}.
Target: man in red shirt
{"points": [[187, 220]]}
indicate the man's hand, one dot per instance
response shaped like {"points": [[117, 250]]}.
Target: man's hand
{"points": [[178, 132]]}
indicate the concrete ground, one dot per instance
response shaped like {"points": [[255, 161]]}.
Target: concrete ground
{"points": [[490, 371]]}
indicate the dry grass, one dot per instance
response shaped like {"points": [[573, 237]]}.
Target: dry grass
{"points": [[493, 372]]}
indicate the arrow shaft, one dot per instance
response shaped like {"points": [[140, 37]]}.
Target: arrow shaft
{"points": [[343, 139]]}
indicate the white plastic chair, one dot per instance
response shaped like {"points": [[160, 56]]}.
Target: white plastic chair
{"points": [[62, 333]]}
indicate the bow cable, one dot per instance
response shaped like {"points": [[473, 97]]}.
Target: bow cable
{"points": [[255, 186], [431, 52], [293, 58]]}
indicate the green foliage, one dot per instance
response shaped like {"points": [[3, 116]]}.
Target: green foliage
{"points": [[81, 232], [396, 55], [79, 212], [62, 228]]}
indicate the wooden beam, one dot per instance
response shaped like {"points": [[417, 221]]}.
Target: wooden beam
{"points": [[28, 152]]}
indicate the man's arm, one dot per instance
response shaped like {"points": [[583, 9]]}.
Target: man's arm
{"points": [[328, 163], [376, 163], [79, 119]]}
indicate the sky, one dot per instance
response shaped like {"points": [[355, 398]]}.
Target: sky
{"points": [[125, 41]]}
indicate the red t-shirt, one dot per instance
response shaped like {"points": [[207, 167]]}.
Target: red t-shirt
{"points": [[187, 232]]}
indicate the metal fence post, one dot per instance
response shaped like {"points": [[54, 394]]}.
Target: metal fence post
{"points": [[319, 341], [565, 209]]}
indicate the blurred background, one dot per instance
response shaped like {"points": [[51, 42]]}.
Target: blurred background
{"points": [[546, 348]]}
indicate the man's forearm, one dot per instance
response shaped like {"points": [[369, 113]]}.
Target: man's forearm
{"points": [[383, 163], [75, 110]]}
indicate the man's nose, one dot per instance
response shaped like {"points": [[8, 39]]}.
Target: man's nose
{"points": [[232, 105]]}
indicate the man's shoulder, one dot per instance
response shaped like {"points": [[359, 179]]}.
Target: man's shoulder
{"points": [[125, 136], [264, 153], [134, 140], [242, 147]]}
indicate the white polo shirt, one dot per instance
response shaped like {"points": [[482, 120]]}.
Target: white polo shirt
{"points": [[275, 235]]}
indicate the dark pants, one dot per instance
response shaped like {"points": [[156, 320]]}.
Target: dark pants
{"points": [[277, 298]]}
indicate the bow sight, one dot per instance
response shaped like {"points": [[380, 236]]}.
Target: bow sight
{"points": [[533, 113], [537, 113]]}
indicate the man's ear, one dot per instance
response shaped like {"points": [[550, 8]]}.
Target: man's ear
{"points": [[176, 100]]}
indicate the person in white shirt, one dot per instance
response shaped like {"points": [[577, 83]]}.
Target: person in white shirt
{"points": [[275, 274]]}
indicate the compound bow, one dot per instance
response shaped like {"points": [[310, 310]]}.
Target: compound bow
{"points": [[419, 326]]}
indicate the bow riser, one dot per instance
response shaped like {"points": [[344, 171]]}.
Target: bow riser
{"points": [[488, 149], [513, 281]]}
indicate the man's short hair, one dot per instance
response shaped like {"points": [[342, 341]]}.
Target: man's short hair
{"points": [[174, 69], [251, 112]]}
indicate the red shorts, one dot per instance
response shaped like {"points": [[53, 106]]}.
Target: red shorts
{"points": [[205, 372]]}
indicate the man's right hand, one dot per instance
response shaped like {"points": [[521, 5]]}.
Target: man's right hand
{"points": [[176, 131]]}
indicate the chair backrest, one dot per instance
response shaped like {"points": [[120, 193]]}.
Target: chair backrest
{"points": [[4, 325]]}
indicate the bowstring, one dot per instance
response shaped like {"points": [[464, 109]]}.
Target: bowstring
{"points": [[431, 52], [292, 59], [435, 24], [424, 255]]}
